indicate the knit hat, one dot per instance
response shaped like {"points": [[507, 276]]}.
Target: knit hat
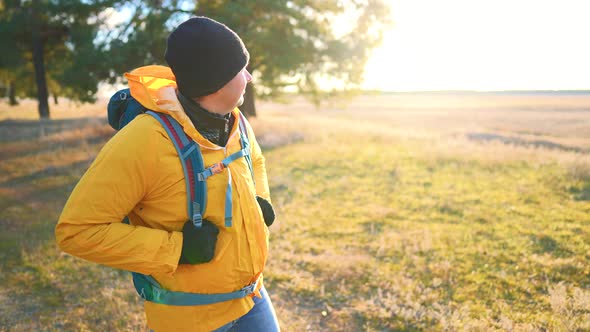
{"points": [[204, 55]]}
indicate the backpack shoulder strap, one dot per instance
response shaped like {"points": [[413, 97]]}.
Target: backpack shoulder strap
{"points": [[245, 141], [192, 165]]}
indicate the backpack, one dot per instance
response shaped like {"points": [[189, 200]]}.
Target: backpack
{"points": [[121, 110]]}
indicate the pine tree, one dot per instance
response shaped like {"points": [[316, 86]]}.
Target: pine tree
{"points": [[53, 41]]}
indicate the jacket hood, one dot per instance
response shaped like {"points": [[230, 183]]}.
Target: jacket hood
{"points": [[155, 88]]}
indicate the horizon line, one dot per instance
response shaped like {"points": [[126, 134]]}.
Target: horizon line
{"points": [[575, 91]]}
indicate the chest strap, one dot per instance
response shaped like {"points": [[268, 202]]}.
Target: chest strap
{"points": [[195, 172]]}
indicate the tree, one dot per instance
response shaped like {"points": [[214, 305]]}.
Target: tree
{"points": [[141, 39], [295, 44], [7, 85], [53, 41]]}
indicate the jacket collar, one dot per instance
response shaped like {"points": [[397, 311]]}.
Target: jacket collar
{"points": [[202, 116]]}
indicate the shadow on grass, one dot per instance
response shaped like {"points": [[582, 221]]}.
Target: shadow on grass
{"points": [[581, 193], [35, 148], [486, 137], [19, 130], [273, 140], [48, 172], [545, 244]]}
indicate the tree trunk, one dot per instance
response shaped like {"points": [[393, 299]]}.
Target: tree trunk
{"points": [[39, 64], [55, 101], [249, 107], [12, 94]]}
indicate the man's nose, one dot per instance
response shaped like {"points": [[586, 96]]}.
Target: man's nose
{"points": [[248, 76]]}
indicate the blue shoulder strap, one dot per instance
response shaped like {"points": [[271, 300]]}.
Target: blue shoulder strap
{"points": [[192, 165], [246, 145]]}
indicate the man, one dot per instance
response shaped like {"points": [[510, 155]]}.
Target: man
{"points": [[138, 174]]}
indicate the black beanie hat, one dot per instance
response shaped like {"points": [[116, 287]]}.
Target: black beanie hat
{"points": [[204, 55]]}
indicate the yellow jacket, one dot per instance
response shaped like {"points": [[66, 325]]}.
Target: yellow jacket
{"points": [[138, 174]]}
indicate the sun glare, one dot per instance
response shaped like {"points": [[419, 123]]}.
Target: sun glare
{"points": [[483, 45]]}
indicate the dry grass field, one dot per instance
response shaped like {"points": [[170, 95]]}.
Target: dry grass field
{"points": [[404, 212]]}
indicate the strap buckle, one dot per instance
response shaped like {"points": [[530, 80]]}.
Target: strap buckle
{"points": [[210, 171], [217, 168], [249, 289], [197, 220]]}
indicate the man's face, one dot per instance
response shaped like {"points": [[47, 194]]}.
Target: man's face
{"points": [[232, 94]]}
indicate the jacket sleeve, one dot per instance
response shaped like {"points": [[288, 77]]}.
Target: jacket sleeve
{"points": [[90, 225], [259, 166]]}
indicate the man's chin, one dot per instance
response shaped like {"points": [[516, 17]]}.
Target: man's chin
{"points": [[240, 102]]}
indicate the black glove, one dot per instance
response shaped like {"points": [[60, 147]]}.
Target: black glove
{"points": [[198, 244], [267, 211]]}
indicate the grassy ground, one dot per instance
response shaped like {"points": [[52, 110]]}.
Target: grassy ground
{"points": [[404, 212]]}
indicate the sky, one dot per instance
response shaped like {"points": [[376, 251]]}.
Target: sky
{"points": [[483, 45]]}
